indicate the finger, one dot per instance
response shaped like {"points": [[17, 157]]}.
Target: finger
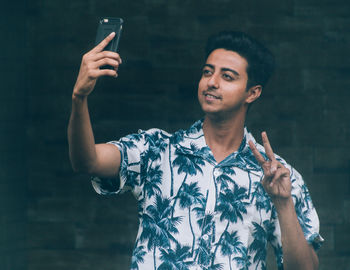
{"points": [[107, 61], [108, 72], [107, 54], [103, 43], [256, 153], [103, 72], [267, 146], [276, 177], [266, 180], [281, 172], [274, 166]]}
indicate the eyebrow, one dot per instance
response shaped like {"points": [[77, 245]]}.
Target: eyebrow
{"points": [[223, 69]]}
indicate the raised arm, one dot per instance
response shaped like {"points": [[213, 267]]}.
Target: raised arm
{"points": [[101, 159], [297, 253]]}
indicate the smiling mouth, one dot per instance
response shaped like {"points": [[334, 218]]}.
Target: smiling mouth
{"points": [[210, 96]]}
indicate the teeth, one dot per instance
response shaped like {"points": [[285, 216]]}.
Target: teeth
{"points": [[208, 95]]}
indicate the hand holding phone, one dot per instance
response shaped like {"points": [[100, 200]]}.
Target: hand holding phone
{"points": [[90, 68], [102, 60]]}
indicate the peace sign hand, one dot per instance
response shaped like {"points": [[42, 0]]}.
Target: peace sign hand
{"points": [[276, 180]]}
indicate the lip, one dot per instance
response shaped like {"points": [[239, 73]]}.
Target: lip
{"points": [[210, 96]]}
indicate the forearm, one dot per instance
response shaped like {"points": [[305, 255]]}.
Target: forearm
{"points": [[297, 253], [82, 151]]}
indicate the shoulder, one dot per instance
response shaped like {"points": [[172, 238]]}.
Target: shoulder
{"points": [[153, 136]]}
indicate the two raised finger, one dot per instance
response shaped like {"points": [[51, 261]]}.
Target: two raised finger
{"points": [[268, 150], [274, 164]]}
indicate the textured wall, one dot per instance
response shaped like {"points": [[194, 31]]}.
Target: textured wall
{"points": [[51, 218], [13, 102]]}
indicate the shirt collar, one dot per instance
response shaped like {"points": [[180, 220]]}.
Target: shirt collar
{"points": [[192, 142]]}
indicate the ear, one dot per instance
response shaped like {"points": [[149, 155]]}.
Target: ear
{"points": [[253, 93]]}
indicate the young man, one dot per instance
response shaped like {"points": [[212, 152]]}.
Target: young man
{"points": [[209, 197]]}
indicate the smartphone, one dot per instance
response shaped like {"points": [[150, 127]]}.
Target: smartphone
{"points": [[106, 26]]}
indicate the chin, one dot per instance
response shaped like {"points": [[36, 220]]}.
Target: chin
{"points": [[207, 109], [222, 115], [212, 113]]}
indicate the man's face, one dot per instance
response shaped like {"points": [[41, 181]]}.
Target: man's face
{"points": [[222, 87]]}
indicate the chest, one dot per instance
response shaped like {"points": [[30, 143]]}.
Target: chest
{"points": [[189, 181]]}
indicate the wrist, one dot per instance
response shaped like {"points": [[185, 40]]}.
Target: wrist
{"points": [[283, 204], [77, 97]]}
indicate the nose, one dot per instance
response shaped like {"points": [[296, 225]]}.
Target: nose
{"points": [[213, 81]]}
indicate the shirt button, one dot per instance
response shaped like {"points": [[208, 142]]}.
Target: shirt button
{"points": [[205, 237], [216, 173]]}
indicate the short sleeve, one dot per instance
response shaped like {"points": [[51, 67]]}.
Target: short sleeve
{"points": [[306, 211], [131, 148], [307, 217]]}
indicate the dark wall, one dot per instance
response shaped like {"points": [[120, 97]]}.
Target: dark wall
{"points": [[13, 104], [50, 218]]}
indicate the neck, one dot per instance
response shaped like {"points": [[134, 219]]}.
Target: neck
{"points": [[223, 136]]}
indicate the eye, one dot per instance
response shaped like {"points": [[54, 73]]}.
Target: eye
{"points": [[206, 72], [227, 77]]}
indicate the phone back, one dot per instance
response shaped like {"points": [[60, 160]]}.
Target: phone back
{"points": [[106, 26]]}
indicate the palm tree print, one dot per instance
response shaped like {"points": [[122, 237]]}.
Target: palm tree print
{"points": [[158, 226], [306, 195], [279, 256], [302, 214], [224, 179], [217, 266], [230, 245], [244, 260], [153, 137], [232, 207], [175, 259], [135, 137], [206, 153], [188, 164], [206, 223], [129, 141], [231, 203], [175, 139], [131, 178], [195, 128], [258, 246], [152, 181], [262, 199], [153, 153], [137, 257], [190, 195], [203, 252]]}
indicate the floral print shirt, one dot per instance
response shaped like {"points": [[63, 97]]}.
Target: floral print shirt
{"points": [[195, 213]]}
